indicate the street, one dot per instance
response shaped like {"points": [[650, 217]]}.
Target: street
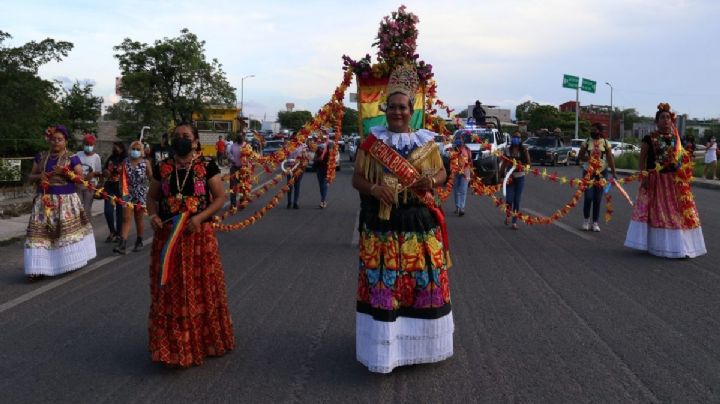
{"points": [[543, 314]]}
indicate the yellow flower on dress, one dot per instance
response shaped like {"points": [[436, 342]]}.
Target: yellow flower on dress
{"points": [[413, 255]]}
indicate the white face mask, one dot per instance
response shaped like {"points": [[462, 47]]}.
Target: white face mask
{"points": [[88, 149], [135, 154]]}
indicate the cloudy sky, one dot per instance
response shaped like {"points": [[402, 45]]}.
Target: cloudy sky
{"points": [[500, 52]]}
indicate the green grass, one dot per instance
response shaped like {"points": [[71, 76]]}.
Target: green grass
{"points": [[630, 161]]}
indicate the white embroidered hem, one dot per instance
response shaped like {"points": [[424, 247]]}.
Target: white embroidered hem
{"points": [[42, 261], [670, 243], [382, 346]]}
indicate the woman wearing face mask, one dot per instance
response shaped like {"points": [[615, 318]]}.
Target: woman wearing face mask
{"points": [[464, 161], [136, 171], [112, 172], [711, 151], [92, 170], [596, 152], [519, 154], [189, 317], [665, 220], [59, 235]]}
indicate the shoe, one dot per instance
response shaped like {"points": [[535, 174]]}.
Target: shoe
{"points": [[122, 247], [514, 226], [323, 205], [457, 210], [595, 227], [35, 277], [138, 244], [461, 213], [110, 238], [507, 221], [289, 205], [586, 225], [295, 206]]}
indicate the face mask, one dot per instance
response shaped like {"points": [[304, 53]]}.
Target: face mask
{"points": [[594, 135], [181, 146], [88, 149], [515, 141], [135, 154]]}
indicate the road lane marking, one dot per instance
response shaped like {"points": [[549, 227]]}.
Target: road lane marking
{"points": [[582, 234]]}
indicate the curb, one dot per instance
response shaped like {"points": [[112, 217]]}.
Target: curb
{"points": [[695, 183]]}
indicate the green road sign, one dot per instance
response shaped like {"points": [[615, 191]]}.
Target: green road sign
{"points": [[588, 85], [571, 81]]}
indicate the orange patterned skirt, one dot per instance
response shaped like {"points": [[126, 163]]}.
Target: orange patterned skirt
{"points": [[189, 317]]}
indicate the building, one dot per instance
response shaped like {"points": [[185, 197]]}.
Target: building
{"points": [[500, 113], [215, 121], [596, 114]]}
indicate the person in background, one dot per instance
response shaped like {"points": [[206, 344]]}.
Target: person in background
{"points": [[112, 172], [92, 171], [294, 192], [320, 164], [189, 317], [221, 149], [478, 113], [665, 220], [462, 177], [137, 171], [162, 151], [595, 150], [711, 152], [516, 153], [59, 235]]}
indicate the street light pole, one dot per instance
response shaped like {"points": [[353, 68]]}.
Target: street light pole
{"points": [[611, 109], [242, 90]]}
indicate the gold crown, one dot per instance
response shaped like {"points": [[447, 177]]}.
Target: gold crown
{"points": [[404, 79]]}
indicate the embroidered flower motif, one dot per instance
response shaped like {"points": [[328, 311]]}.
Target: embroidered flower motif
{"points": [[381, 298]]}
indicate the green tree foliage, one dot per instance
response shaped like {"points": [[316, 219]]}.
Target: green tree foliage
{"points": [[255, 124], [523, 110], [129, 122], [294, 120], [171, 79], [350, 121], [81, 108], [543, 117], [28, 104]]}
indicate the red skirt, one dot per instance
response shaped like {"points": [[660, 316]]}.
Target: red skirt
{"points": [[189, 317]]}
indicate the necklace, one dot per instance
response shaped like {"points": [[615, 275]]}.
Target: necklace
{"points": [[177, 180]]}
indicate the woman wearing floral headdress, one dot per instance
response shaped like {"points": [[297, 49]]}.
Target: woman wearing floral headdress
{"points": [[189, 317], [665, 220], [403, 312], [59, 236]]}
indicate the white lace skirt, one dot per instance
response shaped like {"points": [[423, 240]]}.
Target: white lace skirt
{"points": [[384, 345], [669, 243], [59, 236]]}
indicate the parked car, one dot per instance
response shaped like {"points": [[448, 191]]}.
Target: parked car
{"points": [[619, 148], [575, 152], [483, 143], [549, 150], [272, 145]]}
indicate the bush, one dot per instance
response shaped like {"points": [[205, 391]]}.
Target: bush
{"points": [[628, 161]]}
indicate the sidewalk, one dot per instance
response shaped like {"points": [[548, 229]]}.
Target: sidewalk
{"points": [[16, 226]]}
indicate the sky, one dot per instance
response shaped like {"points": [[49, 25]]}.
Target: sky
{"points": [[499, 52]]}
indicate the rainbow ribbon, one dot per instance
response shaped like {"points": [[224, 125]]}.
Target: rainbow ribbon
{"points": [[166, 256], [679, 151]]}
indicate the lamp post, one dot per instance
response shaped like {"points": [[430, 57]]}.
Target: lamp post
{"points": [[242, 88], [611, 109]]}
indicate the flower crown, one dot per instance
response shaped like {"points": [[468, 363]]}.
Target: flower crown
{"points": [[665, 107]]}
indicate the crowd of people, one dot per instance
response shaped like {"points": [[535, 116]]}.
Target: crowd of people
{"points": [[403, 300]]}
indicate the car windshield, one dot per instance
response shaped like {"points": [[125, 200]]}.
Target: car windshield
{"points": [[474, 135], [531, 141], [576, 143], [275, 144], [546, 142]]}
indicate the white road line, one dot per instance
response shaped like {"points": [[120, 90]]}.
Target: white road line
{"points": [[583, 235], [356, 234]]}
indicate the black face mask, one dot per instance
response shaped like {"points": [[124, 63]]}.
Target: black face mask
{"points": [[181, 146], [594, 135]]}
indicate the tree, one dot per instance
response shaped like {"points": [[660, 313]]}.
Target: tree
{"points": [[523, 110], [81, 108], [350, 121], [543, 117], [28, 104], [255, 124], [171, 79], [294, 120], [129, 122]]}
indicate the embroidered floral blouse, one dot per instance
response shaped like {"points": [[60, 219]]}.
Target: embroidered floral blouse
{"points": [[195, 194]]}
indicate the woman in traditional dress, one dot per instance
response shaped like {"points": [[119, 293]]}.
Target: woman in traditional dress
{"points": [[136, 171], [189, 317], [59, 236], [665, 220], [403, 297]]}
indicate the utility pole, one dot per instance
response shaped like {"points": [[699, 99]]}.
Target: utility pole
{"points": [[611, 110]]}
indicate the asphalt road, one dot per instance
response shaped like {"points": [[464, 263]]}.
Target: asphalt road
{"points": [[543, 314]]}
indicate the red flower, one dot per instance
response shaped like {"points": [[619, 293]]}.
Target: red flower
{"points": [[199, 169], [165, 170], [405, 290]]}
